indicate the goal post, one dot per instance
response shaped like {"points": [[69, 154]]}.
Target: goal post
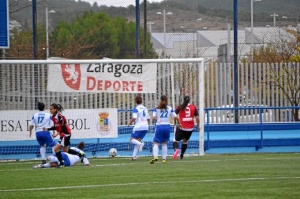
{"points": [[106, 87]]}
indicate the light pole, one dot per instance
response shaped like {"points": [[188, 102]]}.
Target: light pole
{"points": [[182, 28], [252, 50], [164, 21], [150, 23], [274, 18], [47, 31]]}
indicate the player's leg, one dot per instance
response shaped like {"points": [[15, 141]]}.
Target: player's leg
{"points": [[58, 154], [178, 137], [45, 139], [140, 137], [165, 139], [135, 151], [158, 138], [43, 153], [184, 146], [134, 139], [164, 152], [154, 152], [67, 145]]}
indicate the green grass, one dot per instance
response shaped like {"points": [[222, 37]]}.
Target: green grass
{"points": [[212, 176]]}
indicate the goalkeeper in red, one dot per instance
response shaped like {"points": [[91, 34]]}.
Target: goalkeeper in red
{"points": [[187, 114]]}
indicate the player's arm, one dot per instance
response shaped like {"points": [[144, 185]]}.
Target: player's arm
{"points": [[197, 118], [55, 134], [86, 162], [49, 129], [176, 111], [30, 130], [131, 121], [198, 122], [176, 121]]}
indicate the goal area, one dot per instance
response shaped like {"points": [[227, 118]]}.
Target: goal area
{"points": [[98, 98]]}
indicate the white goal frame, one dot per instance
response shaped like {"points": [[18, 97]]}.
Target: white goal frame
{"points": [[199, 61]]}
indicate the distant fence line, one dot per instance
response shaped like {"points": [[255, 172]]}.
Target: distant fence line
{"points": [[259, 85]]}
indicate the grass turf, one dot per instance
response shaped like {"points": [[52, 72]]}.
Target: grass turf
{"points": [[211, 176]]}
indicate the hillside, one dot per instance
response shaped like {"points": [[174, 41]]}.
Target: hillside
{"points": [[214, 13]]}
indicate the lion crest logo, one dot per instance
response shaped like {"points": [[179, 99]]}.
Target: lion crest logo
{"points": [[72, 75]]}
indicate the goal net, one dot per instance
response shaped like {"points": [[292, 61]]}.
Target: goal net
{"points": [[97, 97]]}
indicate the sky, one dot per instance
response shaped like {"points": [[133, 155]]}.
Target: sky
{"points": [[118, 3]]}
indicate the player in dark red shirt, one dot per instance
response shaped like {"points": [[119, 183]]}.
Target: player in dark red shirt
{"points": [[187, 113], [63, 130]]}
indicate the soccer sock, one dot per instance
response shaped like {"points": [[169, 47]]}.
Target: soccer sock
{"points": [[164, 151], [175, 145], [71, 151], [155, 150], [136, 142], [59, 156], [43, 152], [183, 148], [135, 150]]}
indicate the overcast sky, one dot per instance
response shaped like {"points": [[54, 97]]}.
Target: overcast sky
{"points": [[118, 3]]}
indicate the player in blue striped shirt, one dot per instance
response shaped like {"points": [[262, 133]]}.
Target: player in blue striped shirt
{"points": [[141, 118], [42, 120], [162, 115]]}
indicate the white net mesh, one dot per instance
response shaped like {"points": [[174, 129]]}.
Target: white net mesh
{"points": [[24, 83]]}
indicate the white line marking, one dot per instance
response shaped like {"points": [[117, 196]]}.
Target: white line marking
{"points": [[147, 183]]}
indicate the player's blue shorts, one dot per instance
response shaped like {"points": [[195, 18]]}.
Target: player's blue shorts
{"points": [[162, 133], [139, 134], [66, 159], [45, 137]]}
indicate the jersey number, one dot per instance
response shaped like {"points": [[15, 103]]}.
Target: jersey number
{"points": [[164, 114], [40, 119], [187, 112]]}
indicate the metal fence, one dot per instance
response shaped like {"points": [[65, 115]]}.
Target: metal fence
{"points": [[260, 85]]}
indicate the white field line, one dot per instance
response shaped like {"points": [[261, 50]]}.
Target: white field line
{"points": [[13, 162], [147, 183], [177, 161]]}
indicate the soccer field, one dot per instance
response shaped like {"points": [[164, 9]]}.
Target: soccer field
{"points": [[211, 176]]}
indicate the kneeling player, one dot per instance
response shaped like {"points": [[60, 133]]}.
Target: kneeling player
{"points": [[69, 159]]}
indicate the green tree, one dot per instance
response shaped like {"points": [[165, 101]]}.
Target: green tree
{"points": [[94, 36], [21, 44], [286, 52]]}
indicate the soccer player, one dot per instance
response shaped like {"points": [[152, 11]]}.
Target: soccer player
{"points": [[41, 120], [141, 118], [64, 131], [186, 113], [161, 115], [69, 159]]}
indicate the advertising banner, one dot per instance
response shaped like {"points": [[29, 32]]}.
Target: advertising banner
{"points": [[85, 123], [103, 77]]}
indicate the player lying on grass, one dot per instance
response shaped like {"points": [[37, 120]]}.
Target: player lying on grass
{"points": [[69, 159]]}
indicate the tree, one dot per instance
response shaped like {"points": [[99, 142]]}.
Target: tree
{"points": [[285, 52], [94, 36], [21, 46]]}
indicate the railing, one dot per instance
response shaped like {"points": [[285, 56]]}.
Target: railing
{"points": [[255, 124]]}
